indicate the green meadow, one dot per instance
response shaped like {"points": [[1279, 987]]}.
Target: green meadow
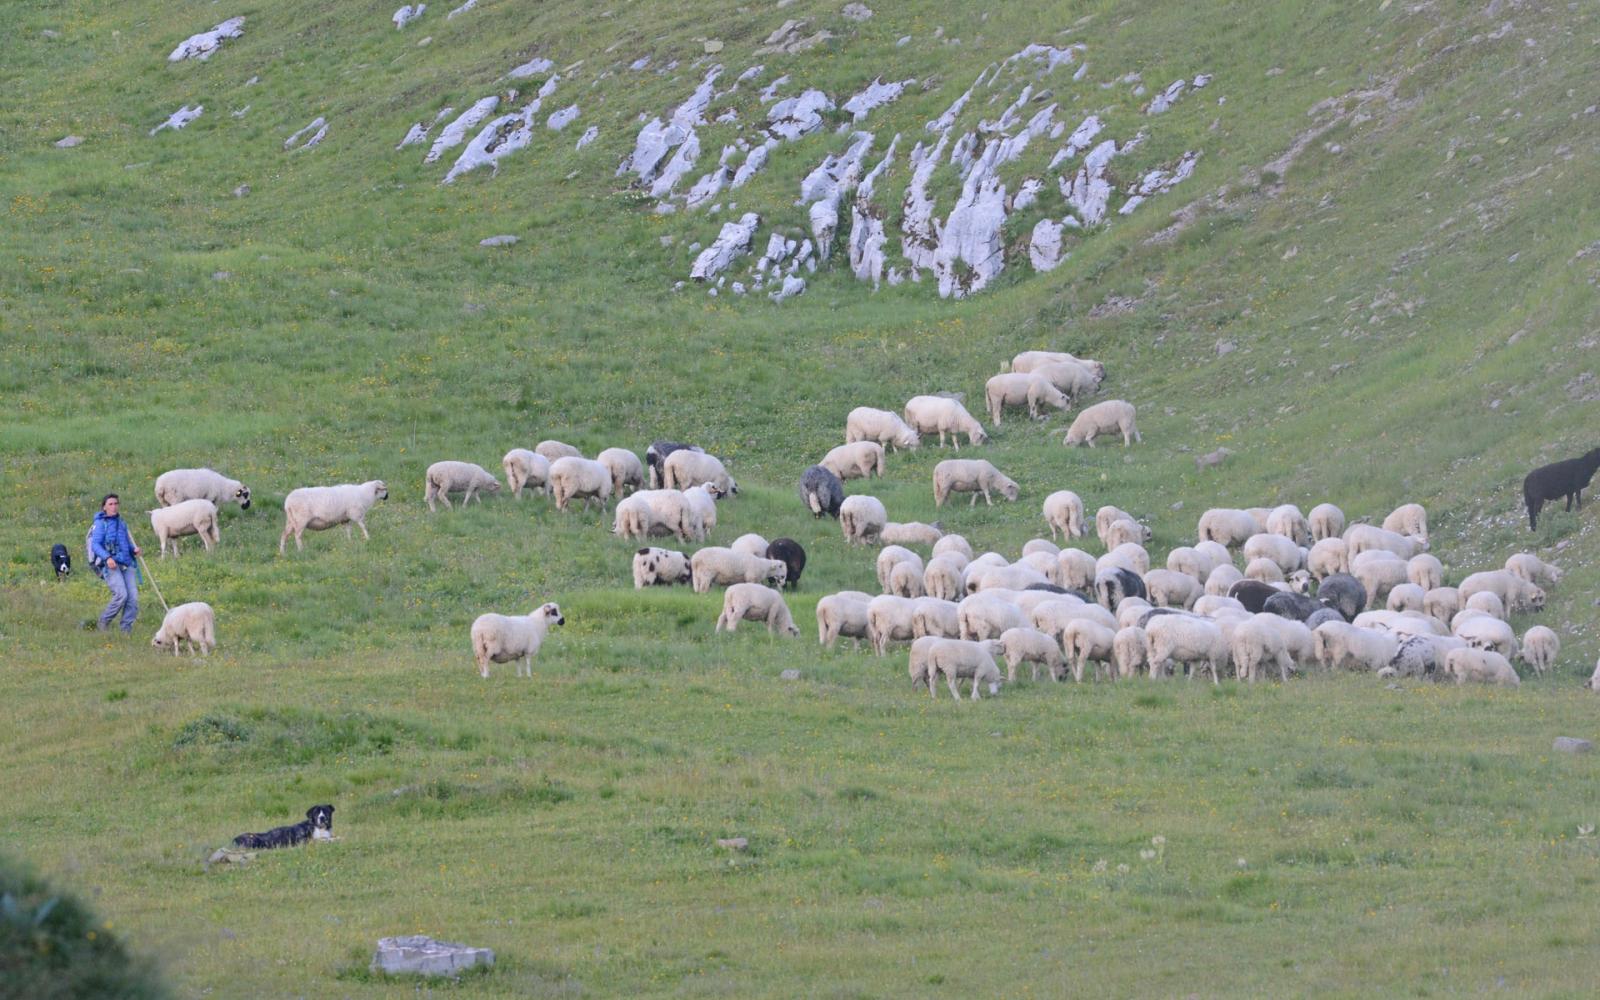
{"points": [[1379, 286]]}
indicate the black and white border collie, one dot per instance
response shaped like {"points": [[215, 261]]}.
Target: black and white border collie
{"points": [[318, 825], [61, 561]]}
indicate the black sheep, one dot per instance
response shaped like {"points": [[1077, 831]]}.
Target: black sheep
{"points": [[791, 554], [1112, 585], [1253, 594], [1051, 588], [1556, 480], [1322, 615], [1344, 594], [656, 455], [822, 492], [1295, 607]]}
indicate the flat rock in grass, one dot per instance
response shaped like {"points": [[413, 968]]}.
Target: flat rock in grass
{"points": [[791, 674], [180, 118], [734, 843], [69, 141], [241, 190], [405, 15], [857, 11], [202, 45], [499, 241], [418, 954], [311, 135], [1571, 744]]}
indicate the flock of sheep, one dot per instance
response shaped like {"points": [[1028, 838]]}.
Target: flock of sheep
{"points": [[1311, 592]]}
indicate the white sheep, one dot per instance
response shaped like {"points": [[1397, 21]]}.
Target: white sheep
{"points": [[177, 485], [1286, 520], [1407, 597], [1217, 605], [503, 638], [1485, 666], [861, 519], [1222, 579], [1258, 644], [886, 428], [1425, 570], [1517, 594], [958, 660], [573, 478], [842, 614], [942, 415], [1130, 651], [1487, 602], [1109, 417], [943, 577], [1130, 556], [1043, 546], [651, 512], [1072, 379], [1227, 526], [750, 545], [1533, 569], [316, 508], [627, 472], [700, 510], [1409, 519], [1190, 561], [1484, 631], [659, 567], [1327, 557], [917, 661], [1343, 646], [987, 615], [1442, 603], [1171, 589], [1131, 611], [1086, 642], [1264, 570], [1046, 563], [889, 619], [1359, 538], [716, 566], [1021, 389], [1076, 569], [935, 616], [1063, 511], [1031, 646], [194, 623], [1124, 531], [1185, 639], [187, 517], [910, 533], [526, 468], [1327, 521], [1105, 517], [952, 543], [970, 475], [552, 450], [905, 580], [1029, 361], [859, 460], [1593, 683], [1283, 551], [755, 603], [684, 469], [1404, 624], [1540, 647], [1379, 571], [444, 478]]}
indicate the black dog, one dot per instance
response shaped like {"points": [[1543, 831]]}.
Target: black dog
{"points": [[318, 825], [61, 561], [1560, 479]]}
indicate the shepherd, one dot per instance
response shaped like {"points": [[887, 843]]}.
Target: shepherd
{"points": [[113, 553]]}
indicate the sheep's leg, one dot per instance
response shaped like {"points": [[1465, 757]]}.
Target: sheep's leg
{"points": [[955, 690], [362, 524]]}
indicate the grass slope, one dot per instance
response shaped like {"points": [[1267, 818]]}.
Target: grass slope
{"points": [[1410, 299]]}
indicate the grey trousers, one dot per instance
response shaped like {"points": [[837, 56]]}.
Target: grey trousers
{"points": [[124, 584]]}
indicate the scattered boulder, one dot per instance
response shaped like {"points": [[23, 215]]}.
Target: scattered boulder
{"points": [[318, 129], [405, 15], [734, 843], [732, 241], [69, 142], [790, 675], [418, 954], [561, 119], [241, 190], [180, 118], [461, 9], [1571, 744], [857, 12], [201, 46], [589, 135], [533, 67], [500, 241]]}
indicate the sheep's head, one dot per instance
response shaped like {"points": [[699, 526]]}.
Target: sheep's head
{"points": [[242, 494], [733, 487], [777, 574], [791, 629], [1300, 581], [159, 640], [908, 439], [1009, 490], [492, 486], [552, 613], [1534, 598], [379, 490], [712, 490]]}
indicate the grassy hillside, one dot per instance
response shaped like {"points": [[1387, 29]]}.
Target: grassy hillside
{"points": [[1378, 286]]}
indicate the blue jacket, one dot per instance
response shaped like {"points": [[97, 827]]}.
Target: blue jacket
{"points": [[109, 539]]}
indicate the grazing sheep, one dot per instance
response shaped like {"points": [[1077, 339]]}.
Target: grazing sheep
{"points": [[1185, 639], [1281, 550], [910, 533], [1559, 479], [942, 415], [1124, 531], [1323, 614], [1328, 556], [822, 491], [659, 567], [1029, 361], [684, 468], [1222, 579], [1169, 589], [793, 556], [886, 428], [1063, 511], [960, 660], [1070, 378], [573, 478], [1517, 594], [1191, 561], [1112, 585], [942, 577], [1252, 594], [1407, 597], [1107, 516], [1295, 607], [1421, 656], [1487, 602], [1226, 526], [1128, 555], [1088, 642], [627, 472], [502, 638], [650, 512], [750, 545], [655, 458], [1130, 651], [1483, 666], [194, 623], [1045, 563], [1402, 623], [1131, 611], [1042, 546], [444, 478], [917, 661], [1022, 389], [1359, 538], [1031, 646], [1425, 570], [1344, 594], [1258, 644], [862, 518], [1110, 417], [177, 485], [715, 566], [1286, 520], [552, 450], [889, 618], [1341, 646], [700, 511], [1409, 519], [1540, 647], [935, 616], [970, 475], [526, 468], [1218, 606], [1075, 569], [1533, 569], [187, 517], [988, 615], [751, 602], [1327, 521], [905, 580], [1053, 615], [1013, 577], [842, 614], [315, 508], [1482, 631], [1442, 603], [1264, 570], [953, 543], [1378, 572], [861, 460]]}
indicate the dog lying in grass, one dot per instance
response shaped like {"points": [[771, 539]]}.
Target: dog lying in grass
{"points": [[318, 825]]}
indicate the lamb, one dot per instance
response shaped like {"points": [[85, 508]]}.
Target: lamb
{"points": [[1124, 531], [1112, 585], [1533, 569], [1359, 538], [953, 543], [960, 660], [573, 478], [942, 577], [988, 615], [1559, 479], [1185, 639], [1222, 579], [910, 533], [1072, 379], [1540, 647], [935, 616], [1257, 644], [659, 567], [526, 468], [861, 460], [889, 618], [1425, 570], [1264, 570], [754, 603], [822, 491], [1344, 594], [1021, 389], [1286, 520], [1327, 521], [886, 428], [684, 468], [627, 472], [444, 478], [750, 545], [1409, 519], [700, 511], [1088, 642], [194, 623], [1407, 597], [1483, 631], [842, 614], [1378, 573], [862, 518], [715, 566], [1226, 526], [1281, 550], [1169, 589], [315, 508], [942, 415], [1063, 511], [1076, 569], [655, 458], [553, 450], [187, 517], [1341, 646], [1129, 650], [1517, 594], [1481, 665], [502, 638], [1487, 602], [1442, 603], [1109, 417], [1031, 646], [177, 485], [793, 556]]}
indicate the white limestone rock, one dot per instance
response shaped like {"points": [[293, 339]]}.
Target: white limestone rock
{"points": [[202, 46], [318, 130], [418, 132], [589, 135], [1044, 248], [561, 119], [1167, 98], [461, 9], [857, 12], [732, 241], [876, 95], [919, 233], [867, 238], [180, 118], [497, 140], [418, 954], [769, 93], [455, 133], [792, 285], [970, 253], [68, 142], [405, 15], [794, 117], [531, 68]]}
